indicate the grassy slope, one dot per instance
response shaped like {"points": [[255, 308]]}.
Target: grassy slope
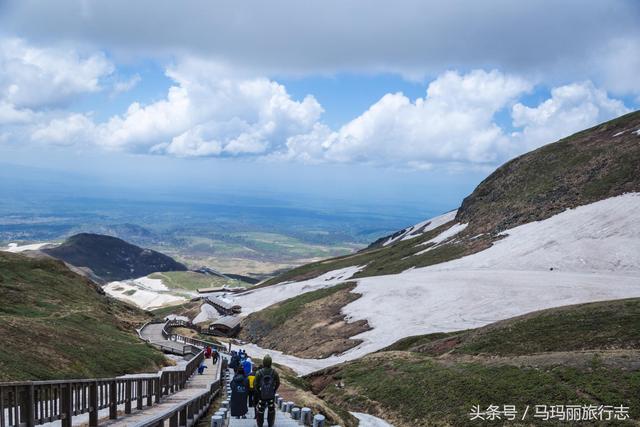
{"points": [[598, 325], [192, 281], [583, 168], [308, 325], [580, 169], [383, 260], [436, 379], [54, 324]]}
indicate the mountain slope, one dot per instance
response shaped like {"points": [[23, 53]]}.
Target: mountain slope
{"points": [[444, 275], [111, 258], [56, 324], [585, 355], [591, 165]]}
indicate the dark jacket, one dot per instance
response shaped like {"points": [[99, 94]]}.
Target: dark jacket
{"points": [[261, 373], [239, 390]]}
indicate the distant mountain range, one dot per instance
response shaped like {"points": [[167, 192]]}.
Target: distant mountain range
{"points": [[111, 258]]}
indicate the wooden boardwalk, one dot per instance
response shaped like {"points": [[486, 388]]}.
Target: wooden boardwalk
{"points": [[196, 385]]}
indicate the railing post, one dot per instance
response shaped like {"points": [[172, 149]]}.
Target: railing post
{"points": [[173, 421], [149, 382], [183, 416], [127, 396], [28, 410], [113, 400], [93, 404], [157, 388], [139, 394], [66, 405]]}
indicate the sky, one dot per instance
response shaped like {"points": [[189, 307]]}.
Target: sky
{"points": [[409, 103]]}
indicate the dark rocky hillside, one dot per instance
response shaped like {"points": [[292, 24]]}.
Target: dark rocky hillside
{"points": [[111, 258]]}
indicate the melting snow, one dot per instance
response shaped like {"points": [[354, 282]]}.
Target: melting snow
{"points": [[367, 420], [148, 293], [207, 313], [445, 235], [422, 227], [594, 251], [15, 248]]}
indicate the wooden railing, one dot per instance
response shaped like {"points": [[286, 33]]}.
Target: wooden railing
{"points": [[188, 412], [166, 333], [38, 402]]}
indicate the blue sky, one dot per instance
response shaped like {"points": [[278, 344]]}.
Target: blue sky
{"points": [[410, 103]]}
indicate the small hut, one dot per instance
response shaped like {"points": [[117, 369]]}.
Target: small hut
{"points": [[226, 326]]}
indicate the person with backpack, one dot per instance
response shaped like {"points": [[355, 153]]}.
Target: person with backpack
{"points": [[267, 383], [239, 392]]}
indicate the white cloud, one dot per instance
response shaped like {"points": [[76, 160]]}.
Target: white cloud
{"points": [[122, 86], [453, 123], [211, 112], [9, 114], [67, 130], [37, 77], [571, 108]]}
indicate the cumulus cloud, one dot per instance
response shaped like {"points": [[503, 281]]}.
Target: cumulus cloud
{"points": [[209, 111], [34, 77], [571, 108], [452, 123], [67, 130], [455, 124]]}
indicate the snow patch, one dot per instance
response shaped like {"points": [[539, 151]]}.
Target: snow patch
{"points": [[15, 248], [367, 420], [594, 251], [422, 227], [207, 313], [255, 300], [151, 284], [619, 133], [142, 297]]}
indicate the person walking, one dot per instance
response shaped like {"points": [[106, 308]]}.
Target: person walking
{"points": [[247, 365], [239, 392], [252, 392], [267, 383]]}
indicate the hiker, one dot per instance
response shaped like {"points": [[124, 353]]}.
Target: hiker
{"points": [[207, 352], [239, 391], [214, 356], [235, 360], [252, 391], [247, 365], [266, 383], [201, 368]]}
